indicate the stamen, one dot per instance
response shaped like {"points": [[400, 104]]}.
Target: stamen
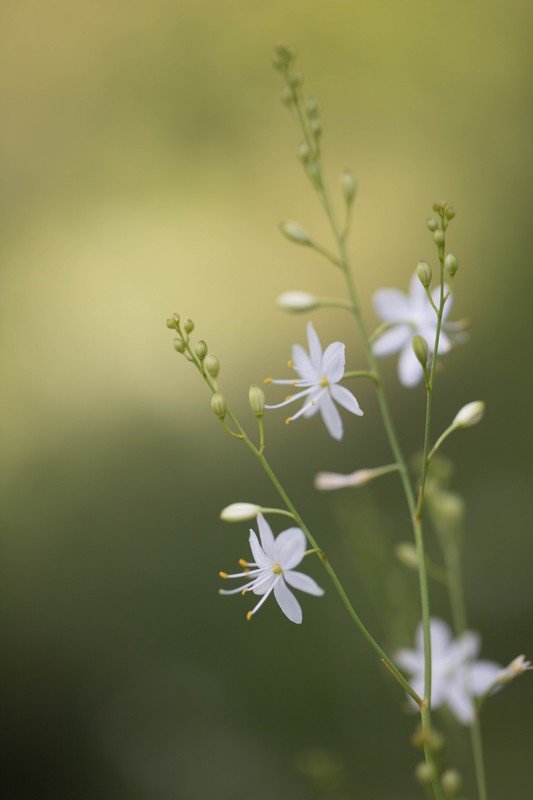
{"points": [[243, 563], [288, 420], [267, 380], [289, 363], [324, 382], [249, 616], [223, 575]]}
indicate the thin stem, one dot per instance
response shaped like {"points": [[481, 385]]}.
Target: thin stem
{"points": [[361, 373]]}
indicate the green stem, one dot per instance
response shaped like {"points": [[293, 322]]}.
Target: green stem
{"points": [[361, 373]]}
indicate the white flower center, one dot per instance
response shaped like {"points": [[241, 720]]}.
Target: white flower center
{"points": [[276, 569], [324, 382]]}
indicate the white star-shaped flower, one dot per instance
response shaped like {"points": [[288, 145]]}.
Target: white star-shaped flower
{"points": [[273, 569], [408, 316], [319, 374], [456, 677]]}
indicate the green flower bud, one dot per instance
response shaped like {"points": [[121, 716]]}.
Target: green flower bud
{"points": [[313, 170], [451, 782], [406, 554], [423, 270], [294, 232], [432, 224], [311, 106], [449, 212], [424, 773], [256, 396], [438, 236], [348, 186], [420, 349], [304, 152], [316, 128], [451, 263], [295, 78], [437, 207], [286, 96], [201, 349], [171, 324], [218, 404], [212, 365], [448, 507], [188, 326], [179, 345]]}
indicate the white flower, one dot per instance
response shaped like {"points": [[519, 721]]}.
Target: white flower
{"points": [[319, 374], [273, 569], [456, 677], [410, 315], [517, 667]]}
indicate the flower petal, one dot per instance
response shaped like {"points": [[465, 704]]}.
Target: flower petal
{"points": [[302, 364], [333, 362], [267, 537], [441, 637], [481, 676], [289, 548], [409, 370], [315, 348], [392, 340], [459, 701], [345, 398], [391, 305], [303, 582], [287, 602], [260, 557], [410, 660], [332, 418]]}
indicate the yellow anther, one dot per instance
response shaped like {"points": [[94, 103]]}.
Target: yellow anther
{"points": [[245, 591], [293, 383], [324, 382], [249, 616], [223, 575], [289, 363], [267, 380], [313, 402], [242, 562], [276, 569], [288, 420]]}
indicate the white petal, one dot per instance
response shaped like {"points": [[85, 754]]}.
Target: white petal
{"points": [[391, 305], [289, 548], [315, 348], [345, 398], [409, 370], [260, 557], [287, 602], [441, 637], [334, 361], [410, 660], [392, 340], [302, 364], [331, 417], [481, 676], [267, 537], [265, 584], [459, 701], [466, 646], [303, 582]]}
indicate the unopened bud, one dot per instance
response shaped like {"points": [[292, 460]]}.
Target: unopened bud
{"points": [[437, 207], [451, 782], [420, 349], [432, 224], [449, 212], [517, 667], [424, 773], [295, 232], [201, 349], [348, 186], [239, 512], [256, 397], [212, 365], [304, 152], [469, 415], [188, 326], [424, 272], [179, 345], [438, 236], [311, 106], [316, 127], [171, 324], [451, 263], [218, 404], [448, 508], [406, 554], [297, 302], [286, 96], [295, 78]]}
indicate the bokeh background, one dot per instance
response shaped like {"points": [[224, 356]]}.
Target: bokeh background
{"points": [[146, 164]]}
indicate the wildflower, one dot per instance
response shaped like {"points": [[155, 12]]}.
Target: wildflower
{"points": [[319, 374], [407, 316], [273, 569], [456, 677]]}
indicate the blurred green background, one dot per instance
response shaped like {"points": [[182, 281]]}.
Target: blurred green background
{"points": [[146, 164]]}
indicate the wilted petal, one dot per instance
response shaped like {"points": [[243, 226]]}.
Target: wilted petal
{"points": [[391, 305], [289, 548], [345, 398], [333, 362], [409, 370], [331, 417], [315, 348], [303, 582], [267, 537], [392, 340], [287, 602]]}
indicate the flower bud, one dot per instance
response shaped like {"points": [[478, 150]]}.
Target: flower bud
{"points": [[212, 365], [451, 263], [295, 78], [449, 212], [171, 323], [304, 152], [406, 553], [179, 345], [437, 207], [423, 270], [201, 349], [469, 415], [218, 404], [348, 186], [438, 236], [451, 782], [256, 397], [316, 127], [297, 302], [311, 106], [420, 349], [295, 232], [432, 225], [188, 326], [424, 773], [239, 512], [448, 508], [286, 96]]}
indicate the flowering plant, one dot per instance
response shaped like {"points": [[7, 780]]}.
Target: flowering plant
{"points": [[444, 669]]}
